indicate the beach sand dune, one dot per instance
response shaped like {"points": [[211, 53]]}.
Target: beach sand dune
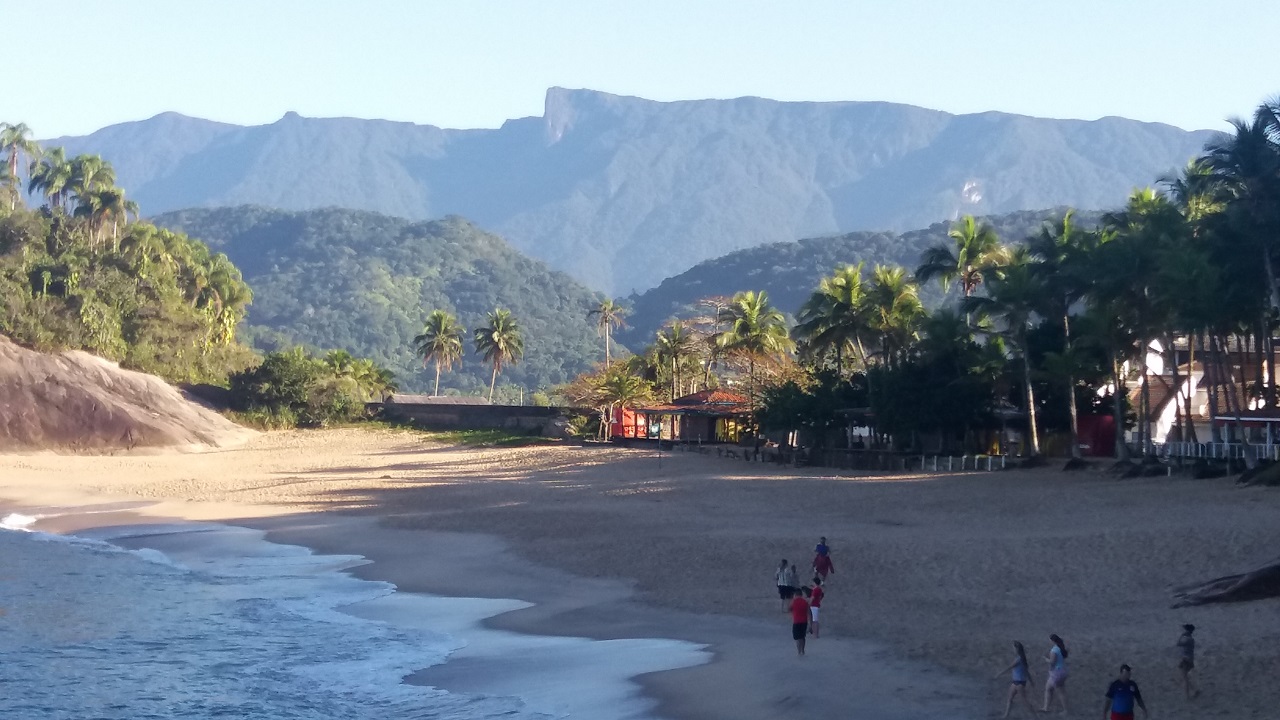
{"points": [[936, 575]]}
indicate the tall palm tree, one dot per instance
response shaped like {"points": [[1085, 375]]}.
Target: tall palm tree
{"points": [[500, 343], [755, 329], [16, 141], [89, 174], [973, 255], [440, 342], [893, 311], [609, 316], [51, 176], [675, 344], [1013, 294], [834, 317], [1246, 163], [1063, 253]]}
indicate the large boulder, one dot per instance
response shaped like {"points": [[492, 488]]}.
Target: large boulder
{"points": [[77, 402]]}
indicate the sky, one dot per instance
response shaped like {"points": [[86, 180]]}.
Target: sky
{"points": [[476, 63]]}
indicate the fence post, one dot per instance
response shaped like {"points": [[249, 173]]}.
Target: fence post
{"points": [[948, 463], [935, 463]]}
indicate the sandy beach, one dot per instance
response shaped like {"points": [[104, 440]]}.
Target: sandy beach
{"points": [[935, 574]]}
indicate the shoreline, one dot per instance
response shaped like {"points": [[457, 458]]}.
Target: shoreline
{"points": [[741, 650], [935, 574]]}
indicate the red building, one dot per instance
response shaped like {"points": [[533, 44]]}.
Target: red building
{"points": [[707, 416]]}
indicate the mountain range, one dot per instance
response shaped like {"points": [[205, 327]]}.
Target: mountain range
{"points": [[622, 192]]}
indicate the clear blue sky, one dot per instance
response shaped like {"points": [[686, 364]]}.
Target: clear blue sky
{"points": [[474, 63]]}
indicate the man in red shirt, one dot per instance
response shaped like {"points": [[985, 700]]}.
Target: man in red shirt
{"points": [[815, 604], [800, 619]]}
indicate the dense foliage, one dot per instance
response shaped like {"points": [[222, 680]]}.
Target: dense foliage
{"points": [[79, 274], [788, 270], [367, 283], [293, 388]]}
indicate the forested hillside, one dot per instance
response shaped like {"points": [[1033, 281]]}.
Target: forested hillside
{"points": [[622, 192], [365, 283], [788, 271], [81, 273]]}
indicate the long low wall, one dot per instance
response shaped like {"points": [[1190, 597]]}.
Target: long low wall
{"points": [[543, 420]]}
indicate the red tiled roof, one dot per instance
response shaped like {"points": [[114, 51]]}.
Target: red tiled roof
{"points": [[711, 397]]}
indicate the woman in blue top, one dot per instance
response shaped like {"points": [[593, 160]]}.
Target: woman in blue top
{"points": [[1057, 659], [1020, 675]]}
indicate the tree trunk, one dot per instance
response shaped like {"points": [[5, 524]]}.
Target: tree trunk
{"points": [[1215, 387], [1071, 388], [1177, 387], [493, 381], [1234, 407], [1032, 434], [1117, 400], [437, 392], [606, 344], [1191, 368], [1255, 585], [1145, 423]]}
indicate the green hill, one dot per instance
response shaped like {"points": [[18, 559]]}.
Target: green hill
{"points": [[789, 271], [364, 282]]}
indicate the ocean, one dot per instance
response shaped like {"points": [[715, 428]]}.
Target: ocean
{"points": [[224, 624]]}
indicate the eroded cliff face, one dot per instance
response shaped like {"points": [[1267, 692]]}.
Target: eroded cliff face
{"points": [[77, 402]]}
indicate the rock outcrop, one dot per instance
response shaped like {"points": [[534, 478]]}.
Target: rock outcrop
{"points": [[77, 402]]}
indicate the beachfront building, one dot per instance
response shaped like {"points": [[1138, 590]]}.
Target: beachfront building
{"points": [[708, 416]]}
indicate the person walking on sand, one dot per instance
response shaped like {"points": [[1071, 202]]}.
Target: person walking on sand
{"points": [[1020, 675], [1057, 682], [1121, 697], [815, 604], [1187, 661], [793, 578], [785, 589], [799, 620], [822, 564]]}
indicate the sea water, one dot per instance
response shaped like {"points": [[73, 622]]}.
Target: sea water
{"points": [[225, 624]]}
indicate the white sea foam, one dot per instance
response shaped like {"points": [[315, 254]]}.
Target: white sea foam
{"points": [[279, 631], [17, 521]]}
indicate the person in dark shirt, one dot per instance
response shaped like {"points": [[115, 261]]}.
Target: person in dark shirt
{"points": [[1187, 661], [1121, 697]]}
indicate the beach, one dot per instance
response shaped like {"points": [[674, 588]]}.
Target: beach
{"points": [[935, 574]]}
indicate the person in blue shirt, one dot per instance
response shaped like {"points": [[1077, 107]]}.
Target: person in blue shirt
{"points": [[1020, 675], [1121, 697]]}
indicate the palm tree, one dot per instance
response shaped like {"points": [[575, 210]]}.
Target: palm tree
{"points": [[51, 176], [1063, 251], [340, 363], [499, 343], [440, 342], [1246, 163], [756, 329], [675, 344], [834, 317], [609, 315], [89, 174], [893, 311], [1013, 295], [15, 141], [975, 253]]}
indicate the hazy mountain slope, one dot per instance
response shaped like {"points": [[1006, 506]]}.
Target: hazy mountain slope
{"points": [[790, 271], [365, 282], [622, 192]]}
